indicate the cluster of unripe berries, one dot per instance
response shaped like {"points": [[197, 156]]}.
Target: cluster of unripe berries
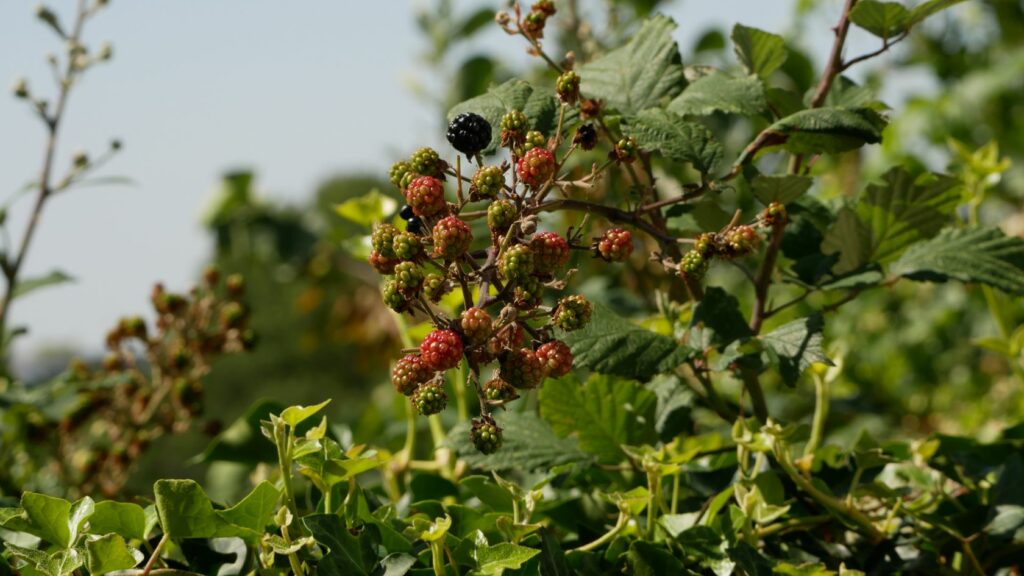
{"points": [[734, 242]]}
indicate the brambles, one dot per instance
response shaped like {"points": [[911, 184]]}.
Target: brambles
{"points": [[516, 263], [522, 369], [476, 325]]}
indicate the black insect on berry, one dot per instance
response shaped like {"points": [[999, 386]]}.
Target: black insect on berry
{"points": [[469, 133], [414, 225], [406, 212]]}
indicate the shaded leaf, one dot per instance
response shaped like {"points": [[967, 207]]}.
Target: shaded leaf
{"points": [[797, 345], [982, 255], [781, 189], [719, 92], [255, 511], [717, 320], [345, 554], [930, 8], [827, 130], [648, 559], [528, 443], [675, 138], [883, 19]]}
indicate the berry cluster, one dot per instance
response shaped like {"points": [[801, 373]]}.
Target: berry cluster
{"points": [[735, 241]]}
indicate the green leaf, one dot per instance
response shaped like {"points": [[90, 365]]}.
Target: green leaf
{"points": [[528, 443], [719, 92], [604, 413], [677, 139], [494, 560], [883, 19], [797, 345], [28, 285], [50, 517], [398, 564], [552, 559], [826, 130], [641, 73], [186, 512], [717, 320], [781, 189], [649, 559], [982, 255], [255, 511], [345, 556], [610, 344], [760, 52], [930, 8], [890, 216], [295, 415], [368, 209], [123, 518], [109, 553], [540, 108]]}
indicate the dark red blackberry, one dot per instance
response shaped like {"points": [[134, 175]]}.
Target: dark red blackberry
{"points": [[469, 133]]}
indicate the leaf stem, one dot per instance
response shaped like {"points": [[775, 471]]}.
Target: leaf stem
{"points": [[821, 402], [156, 554]]}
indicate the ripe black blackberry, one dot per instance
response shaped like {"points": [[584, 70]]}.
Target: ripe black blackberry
{"points": [[469, 133], [406, 212]]}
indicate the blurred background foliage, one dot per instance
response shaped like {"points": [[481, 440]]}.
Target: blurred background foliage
{"points": [[915, 358]]}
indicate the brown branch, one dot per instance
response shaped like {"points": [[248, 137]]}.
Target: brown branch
{"points": [[764, 279], [835, 59]]}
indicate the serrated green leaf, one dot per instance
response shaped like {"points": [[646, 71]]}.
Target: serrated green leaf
{"points": [[29, 285], [826, 130], [494, 560], [641, 73], [675, 138], [719, 92], [760, 52], [368, 209], [883, 19], [528, 443], [109, 553], [782, 189], [982, 255], [345, 556], [540, 108], [717, 320], [797, 345], [604, 413], [610, 344], [123, 518]]}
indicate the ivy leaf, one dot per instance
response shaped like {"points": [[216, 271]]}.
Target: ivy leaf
{"points": [[540, 108], [295, 415], [604, 413], [640, 74], [826, 130], [759, 51], [651, 560], [613, 345], [890, 216], [528, 443], [719, 92], [110, 553], [797, 345], [255, 511], [883, 19], [982, 255], [186, 512], [494, 560], [676, 138], [346, 553], [717, 320], [781, 189], [50, 518], [122, 518]]}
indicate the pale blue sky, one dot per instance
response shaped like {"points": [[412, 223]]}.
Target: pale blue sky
{"points": [[296, 90]]}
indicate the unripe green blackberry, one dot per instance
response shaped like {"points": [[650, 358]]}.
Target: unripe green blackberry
{"points": [[625, 149], [430, 398], [434, 287], [516, 263], [532, 139], [616, 245], [550, 252], [568, 87], [427, 162], [488, 181], [393, 297], [514, 125], [409, 372], [774, 215], [441, 349], [555, 358], [521, 368], [382, 240], [486, 435], [476, 325], [572, 313], [452, 238], [398, 172], [408, 277], [406, 245], [497, 390], [383, 264], [706, 245], [426, 196], [693, 265], [500, 215], [741, 240], [528, 293]]}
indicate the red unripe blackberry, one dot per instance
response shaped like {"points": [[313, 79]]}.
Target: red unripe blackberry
{"points": [[500, 215], [550, 252], [516, 263], [383, 264], [430, 398], [469, 133], [409, 372], [556, 358], [616, 245], [522, 368], [488, 181], [774, 215], [426, 196], [382, 238], [536, 167], [452, 238], [498, 390], [476, 325], [427, 162], [741, 240], [486, 435], [572, 313], [441, 349]]}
